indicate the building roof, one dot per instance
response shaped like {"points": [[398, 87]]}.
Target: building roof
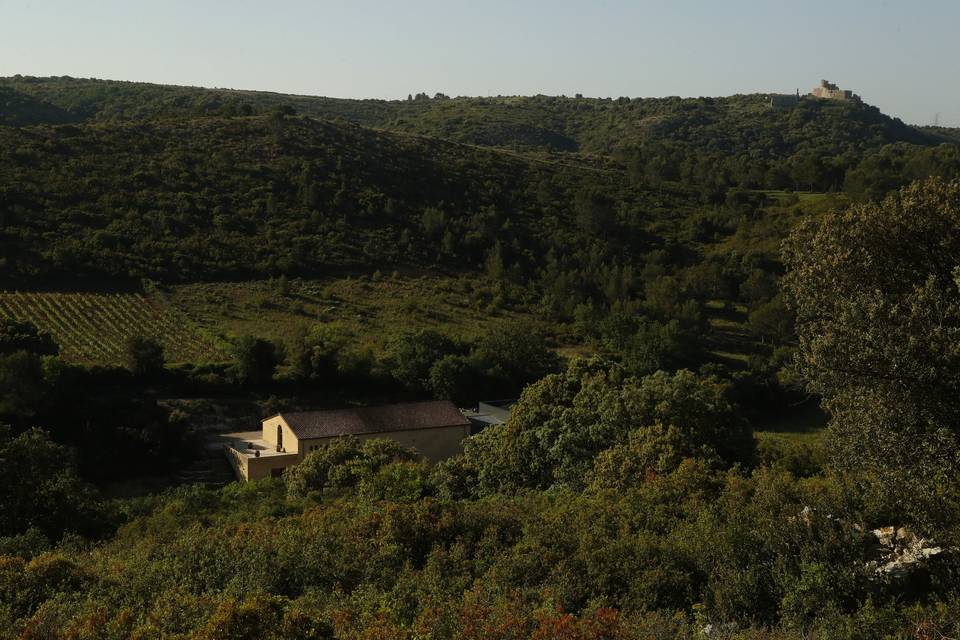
{"points": [[498, 408], [409, 416]]}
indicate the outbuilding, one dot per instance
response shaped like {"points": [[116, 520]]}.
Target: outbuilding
{"points": [[435, 429]]}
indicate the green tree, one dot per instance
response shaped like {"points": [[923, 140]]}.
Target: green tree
{"points": [[23, 384], [25, 336], [494, 264], [412, 356], [343, 464], [771, 321], [455, 377], [875, 291], [144, 356], [257, 360], [654, 346], [434, 221], [562, 422], [318, 353], [40, 489], [512, 356], [594, 212], [647, 452], [759, 286], [404, 481]]}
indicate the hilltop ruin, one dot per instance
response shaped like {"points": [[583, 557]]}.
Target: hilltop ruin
{"points": [[829, 91], [825, 91]]}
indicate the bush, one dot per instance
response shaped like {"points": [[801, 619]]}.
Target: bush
{"points": [[257, 361], [39, 489], [412, 356], [343, 464], [144, 356], [563, 422], [25, 336], [397, 482]]}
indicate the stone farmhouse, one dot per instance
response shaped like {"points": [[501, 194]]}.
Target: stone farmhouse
{"points": [[435, 429]]}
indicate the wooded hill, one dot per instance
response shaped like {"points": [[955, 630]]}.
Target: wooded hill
{"points": [[819, 145], [213, 198], [736, 124], [121, 180]]}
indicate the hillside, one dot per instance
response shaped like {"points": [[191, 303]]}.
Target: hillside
{"points": [[231, 174], [736, 124], [216, 198], [597, 216], [589, 214], [19, 109]]}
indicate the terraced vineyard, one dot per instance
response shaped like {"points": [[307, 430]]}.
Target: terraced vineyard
{"points": [[93, 327]]}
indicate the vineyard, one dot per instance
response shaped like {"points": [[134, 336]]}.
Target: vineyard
{"points": [[93, 327]]}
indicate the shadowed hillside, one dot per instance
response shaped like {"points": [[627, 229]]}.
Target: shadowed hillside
{"points": [[20, 109], [212, 198]]}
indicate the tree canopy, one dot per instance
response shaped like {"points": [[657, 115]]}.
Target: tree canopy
{"points": [[875, 291]]}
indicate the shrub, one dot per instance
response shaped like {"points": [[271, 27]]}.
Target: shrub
{"points": [[343, 464]]}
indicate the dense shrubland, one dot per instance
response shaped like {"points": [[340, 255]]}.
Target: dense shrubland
{"points": [[362, 541], [711, 142], [295, 196]]}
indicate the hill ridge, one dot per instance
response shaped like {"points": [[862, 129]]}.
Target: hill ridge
{"points": [[556, 123]]}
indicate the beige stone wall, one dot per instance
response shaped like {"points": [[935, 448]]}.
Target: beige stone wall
{"points": [[290, 442], [830, 91], [238, 461], [253, 468], [434, 444], [262, 467]]}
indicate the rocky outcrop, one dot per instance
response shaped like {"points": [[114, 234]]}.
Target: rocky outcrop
{"points": [[894, 553], [900, 553]]}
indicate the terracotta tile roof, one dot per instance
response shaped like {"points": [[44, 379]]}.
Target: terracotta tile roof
{"points": [[408, 416]]}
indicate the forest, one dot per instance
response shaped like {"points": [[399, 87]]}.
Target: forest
{"points": [[733, 330]]}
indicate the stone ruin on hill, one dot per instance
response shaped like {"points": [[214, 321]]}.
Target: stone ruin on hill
{"points": [[825, 91], [829, 91]]}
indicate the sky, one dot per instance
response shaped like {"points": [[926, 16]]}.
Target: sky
{"points": [[903, 57]]}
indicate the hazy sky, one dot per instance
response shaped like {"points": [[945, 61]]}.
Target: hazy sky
{"points": [[902, 56]]}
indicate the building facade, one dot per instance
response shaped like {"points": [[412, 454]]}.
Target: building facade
{"points": [[435, 429]]}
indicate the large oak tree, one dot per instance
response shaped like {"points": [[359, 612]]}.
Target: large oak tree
{"points": [[875, 290]]}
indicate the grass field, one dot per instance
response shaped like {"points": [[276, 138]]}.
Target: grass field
{"points": [[730, 342], [804, 424], [92, 328], [370, 311]]}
